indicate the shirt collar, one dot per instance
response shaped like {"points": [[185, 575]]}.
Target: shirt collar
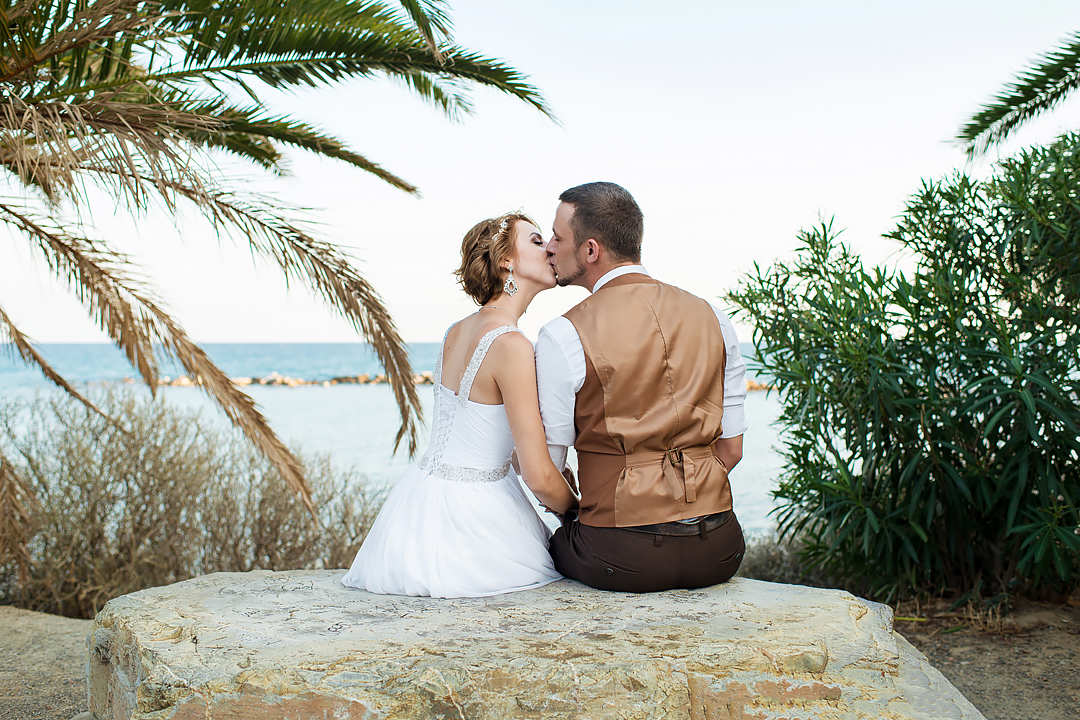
{"points": [[616, 272]]}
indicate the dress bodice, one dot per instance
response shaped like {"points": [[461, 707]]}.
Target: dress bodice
{"points": [[470, 441]]}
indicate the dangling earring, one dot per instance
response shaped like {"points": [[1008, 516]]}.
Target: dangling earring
{"points": [[510, 286]]}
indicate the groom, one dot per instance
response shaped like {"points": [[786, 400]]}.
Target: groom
{"points": [[647, 383]]}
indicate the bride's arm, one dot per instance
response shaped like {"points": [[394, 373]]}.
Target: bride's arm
{"points": [[515, 374]]}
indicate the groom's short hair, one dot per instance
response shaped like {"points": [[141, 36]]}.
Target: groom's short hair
{"points": [[607, 212]]}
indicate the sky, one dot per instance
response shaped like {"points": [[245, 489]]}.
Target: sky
{"points": [[734, 125]]}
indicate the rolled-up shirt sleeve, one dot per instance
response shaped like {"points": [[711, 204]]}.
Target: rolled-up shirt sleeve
{"points": [[734, 422], [557, 388]]}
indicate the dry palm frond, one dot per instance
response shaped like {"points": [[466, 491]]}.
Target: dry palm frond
{"points": [[112, 312], [327, 271], [319, 264], [99, 277], [15, 521], [25, 349], [48, 144]]}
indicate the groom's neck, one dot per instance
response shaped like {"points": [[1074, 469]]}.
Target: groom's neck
{"points": [[599, 270]]}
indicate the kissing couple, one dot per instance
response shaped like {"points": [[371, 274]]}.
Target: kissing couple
{"points": [[643, 379]]}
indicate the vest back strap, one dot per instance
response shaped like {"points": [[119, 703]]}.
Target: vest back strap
{"points": [[679, 466]]}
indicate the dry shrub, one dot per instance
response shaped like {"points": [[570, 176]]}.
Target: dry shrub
{"points": [[163, 498], [768, 558], [986, 618]]}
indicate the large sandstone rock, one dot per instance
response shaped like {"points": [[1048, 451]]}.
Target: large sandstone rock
{"points": [[298, 645]]}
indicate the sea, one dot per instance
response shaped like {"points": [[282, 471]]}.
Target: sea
{"points": [[354, 424]]}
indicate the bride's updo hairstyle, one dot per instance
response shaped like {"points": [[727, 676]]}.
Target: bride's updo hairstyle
{"points": [[486, 247]]}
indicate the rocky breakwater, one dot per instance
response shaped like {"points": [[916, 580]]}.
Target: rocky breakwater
{"points": [[299, 645], [276, 379]]}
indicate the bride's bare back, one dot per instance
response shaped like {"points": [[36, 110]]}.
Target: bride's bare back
{"points": [[458, 350]]}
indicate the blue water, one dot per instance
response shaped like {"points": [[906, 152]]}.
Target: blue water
{"points": [[94, 362], [354, 424]]}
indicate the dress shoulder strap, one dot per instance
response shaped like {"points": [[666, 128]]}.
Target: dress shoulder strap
{"points": [[477, 358]]}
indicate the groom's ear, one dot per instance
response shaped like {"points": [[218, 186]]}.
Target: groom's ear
{"points": [[592, 251]]}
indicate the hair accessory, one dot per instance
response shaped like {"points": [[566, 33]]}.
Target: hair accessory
{"points": [[510, 286]]}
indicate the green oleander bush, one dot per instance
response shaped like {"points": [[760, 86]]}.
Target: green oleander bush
{"points": [[164, 497], [931, 416]]}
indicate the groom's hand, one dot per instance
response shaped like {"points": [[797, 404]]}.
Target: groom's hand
{"points": [[565, 518], [570, 479]]}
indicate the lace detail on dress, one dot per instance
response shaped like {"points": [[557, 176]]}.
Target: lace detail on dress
{"points": [[446, 407]]}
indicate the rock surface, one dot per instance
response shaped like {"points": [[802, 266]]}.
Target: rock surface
{"points": [[299, 645]]}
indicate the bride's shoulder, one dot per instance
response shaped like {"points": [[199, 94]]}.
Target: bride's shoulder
{"points": [[512, 359], [511, 346]]}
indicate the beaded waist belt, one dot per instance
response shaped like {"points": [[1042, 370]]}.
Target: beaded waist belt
{"points": [[459, 473]]}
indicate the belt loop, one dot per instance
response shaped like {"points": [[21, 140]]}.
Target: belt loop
{"points": [[701, 528]]}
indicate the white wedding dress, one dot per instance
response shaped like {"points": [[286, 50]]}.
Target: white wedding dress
{"points": [[458, 524]]}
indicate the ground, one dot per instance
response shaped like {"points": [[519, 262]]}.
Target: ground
{"points": [[1025, 666], [42, 665]]}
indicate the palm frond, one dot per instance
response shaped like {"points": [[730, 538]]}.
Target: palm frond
{"points": [[325, 270], [371, 56], [292, 49], [242, 130], [95, 274], [1036, 90], [299, 255], [89, 271], [445, 95], [47, 143], [247, 146], [45, 41], [216, 31], [29, 354], [16, 499], [430, 18]]}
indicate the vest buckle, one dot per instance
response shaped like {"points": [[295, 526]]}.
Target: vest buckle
{"points": [[675, 470]]}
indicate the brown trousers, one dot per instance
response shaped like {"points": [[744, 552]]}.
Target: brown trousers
{"points": [[650, 558]]}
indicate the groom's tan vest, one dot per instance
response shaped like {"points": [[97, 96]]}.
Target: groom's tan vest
{"points": [[651, 406]]}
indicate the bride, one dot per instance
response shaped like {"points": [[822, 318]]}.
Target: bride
{"points": [[458, 523]]}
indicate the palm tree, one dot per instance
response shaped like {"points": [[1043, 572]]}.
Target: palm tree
{"points": [[136, 97], [1035, 90]]}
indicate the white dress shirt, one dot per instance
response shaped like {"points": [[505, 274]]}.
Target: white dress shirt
{"points": [[560, 373]]}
